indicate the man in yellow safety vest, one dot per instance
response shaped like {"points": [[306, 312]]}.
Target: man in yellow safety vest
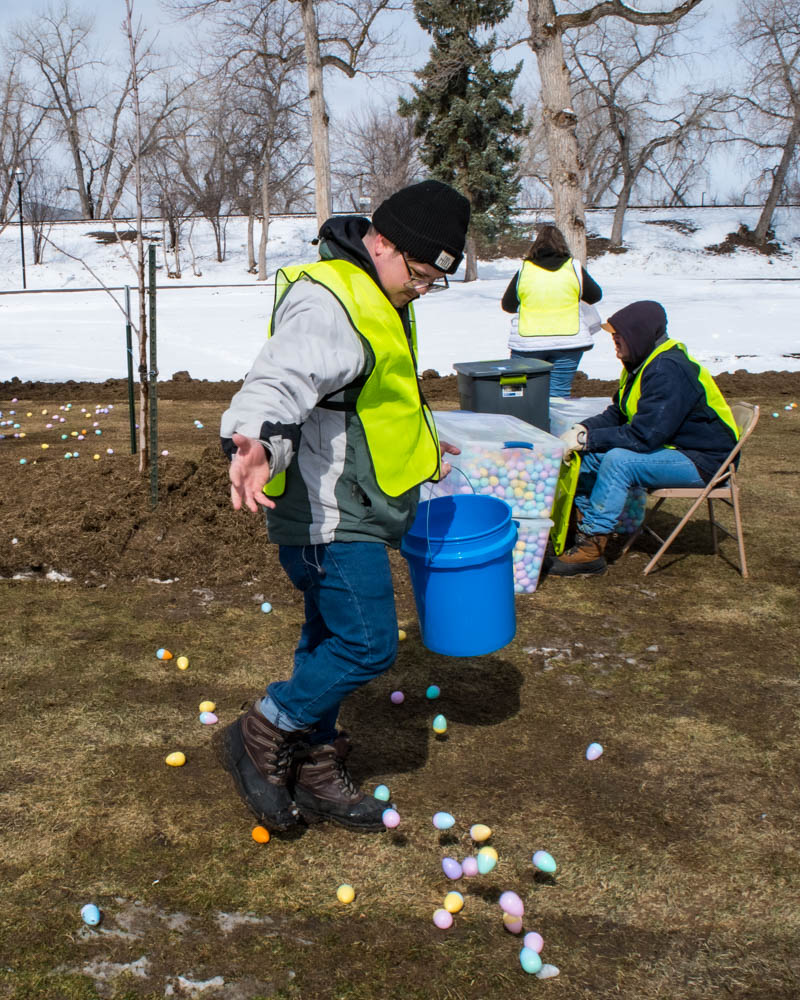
{"points": [[667, 427], [331, 436]]}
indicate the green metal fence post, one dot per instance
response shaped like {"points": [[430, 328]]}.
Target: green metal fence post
{"points": [[153, 380]]}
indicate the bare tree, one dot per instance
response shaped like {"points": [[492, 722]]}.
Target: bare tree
{"points": [[547, 27], [768, 32], [21, 139], [619, 70], [378, 154], [44, 191]]}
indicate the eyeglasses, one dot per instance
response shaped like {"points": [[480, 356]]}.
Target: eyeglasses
{"points": [[421, 283]]}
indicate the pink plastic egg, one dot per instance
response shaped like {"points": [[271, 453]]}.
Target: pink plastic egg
{"points": [[511, 903], [391, 818], [534, 941], [442, 919], [469, 866]]}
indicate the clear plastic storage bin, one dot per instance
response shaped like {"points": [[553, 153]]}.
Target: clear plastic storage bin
{"points": [[532, 535], [502, 456], [566, 411]]}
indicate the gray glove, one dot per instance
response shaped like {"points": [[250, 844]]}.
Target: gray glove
{"points": [[574, 440]]}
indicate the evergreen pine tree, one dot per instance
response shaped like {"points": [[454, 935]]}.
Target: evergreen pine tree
{"points": [[463, 113]]}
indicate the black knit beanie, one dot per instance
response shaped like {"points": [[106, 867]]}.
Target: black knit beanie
{"points": [[428, 221]]}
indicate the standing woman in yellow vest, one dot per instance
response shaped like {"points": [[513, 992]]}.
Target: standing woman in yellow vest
{"points": [[552, 325], [668, 427], [331, 436]]}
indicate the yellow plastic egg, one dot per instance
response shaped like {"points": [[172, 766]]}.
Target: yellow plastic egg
{"points": [[401, 635], [207, 706], [512, 923], [260, 834], [453, 902], [176, 759], [45, 446], [345, 893], [96, 458], [480, 832], [183, 662]]}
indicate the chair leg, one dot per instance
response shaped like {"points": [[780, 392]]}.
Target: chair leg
{"points": [[675, 532], [713, 524], [737, 519]]}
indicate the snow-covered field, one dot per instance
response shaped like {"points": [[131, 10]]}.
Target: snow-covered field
{"points": [[733, 312]]}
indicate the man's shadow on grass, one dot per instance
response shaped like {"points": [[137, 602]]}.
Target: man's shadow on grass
{"points": [[394, 739]]}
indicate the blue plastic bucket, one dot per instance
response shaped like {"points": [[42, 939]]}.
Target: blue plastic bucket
{"points": [[459, 553]]}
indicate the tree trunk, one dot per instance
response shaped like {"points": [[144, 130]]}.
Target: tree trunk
{"points": [[778, 181], [619, 212], [265, 212], [559, 125], [251, 251], [471, 266], [319, 116]]}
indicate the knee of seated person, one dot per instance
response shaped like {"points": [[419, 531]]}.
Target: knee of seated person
{"points": [[616, 459]]}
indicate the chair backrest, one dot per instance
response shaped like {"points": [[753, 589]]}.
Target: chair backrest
{"points": [[746, 417]]}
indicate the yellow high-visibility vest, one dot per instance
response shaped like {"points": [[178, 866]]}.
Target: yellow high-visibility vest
{"points": [[549, 301], [714, 398], [398, 426]]}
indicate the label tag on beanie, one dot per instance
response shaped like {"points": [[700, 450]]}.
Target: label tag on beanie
{"points": [[444, 260]]}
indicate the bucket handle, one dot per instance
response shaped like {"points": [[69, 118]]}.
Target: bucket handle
{"points": [[453, 468]]}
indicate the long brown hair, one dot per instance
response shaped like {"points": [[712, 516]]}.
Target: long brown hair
{"points": [[549, 240]]}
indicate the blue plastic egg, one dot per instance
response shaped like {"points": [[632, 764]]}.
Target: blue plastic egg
{"points": [[440, 724], [433, 692], [266, 607], [544, 862], [530, 960], [208, 718], [443, 821], [382, 793], [91, 915]]}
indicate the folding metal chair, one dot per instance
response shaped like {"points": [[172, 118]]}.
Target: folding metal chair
{"points": [[723, 486]]}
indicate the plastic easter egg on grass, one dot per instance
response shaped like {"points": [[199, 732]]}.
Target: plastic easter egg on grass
{"points": [[452, 868], [440, 725], [453, 902], [260, 834], [593, 751], [390, 818], [469, 867], [163, 654], [397, 697], [208, 718], [530, 961], [544, 862], [547, 971], [266, 607], [487, 859], [480, 832], [91, 915], [345, 893], [442, 919], [401, 635], [183, 662], [534, 941], [512, 924], [207, 706], [175, 759], [443, 820], [433, 692], [511, 903], [382, 793]]}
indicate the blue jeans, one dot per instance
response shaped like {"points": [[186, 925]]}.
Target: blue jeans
{"points": [[605, 479], [565, 363], [349, 636]]}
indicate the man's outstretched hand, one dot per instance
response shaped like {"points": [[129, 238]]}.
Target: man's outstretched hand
{"points": [[249, 472]]}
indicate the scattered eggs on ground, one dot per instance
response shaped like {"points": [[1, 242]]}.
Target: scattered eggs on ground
{"points": [[163, 654], [382, 793], [480, 832], [390, 818], [266, 607], [534, 941], [91, 915], [487, 859], [175, 759], [469, 866], [511, 903], [397, 697], [529, 960], [208, 718], [443, 919], [183, 662], [452, 868], [544, 862], [401, 635], [260, 834], [453, 902], [443, 820], [440, 724], [512, 924], [433, 692], [207, 706], [593, 751]]}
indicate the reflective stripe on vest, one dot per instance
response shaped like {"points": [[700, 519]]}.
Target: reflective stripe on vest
{"points": [[549, 301], [398, 427], [714, 398]]}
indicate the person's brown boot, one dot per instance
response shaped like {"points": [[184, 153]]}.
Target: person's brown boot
{"points": [[585, 558], [258, 756], [325, 789]]}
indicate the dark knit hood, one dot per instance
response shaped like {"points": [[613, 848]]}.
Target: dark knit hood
{"points": [[342, 238], [643, 326]]}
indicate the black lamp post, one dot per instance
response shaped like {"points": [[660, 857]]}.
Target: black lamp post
{"points": [[19, 175]]}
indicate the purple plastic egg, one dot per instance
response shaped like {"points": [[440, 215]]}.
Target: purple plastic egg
{"points": [[443, 919], [534, 941], [452, 868], [391, 818], [511, 903], [397, 697], [469, 866]]}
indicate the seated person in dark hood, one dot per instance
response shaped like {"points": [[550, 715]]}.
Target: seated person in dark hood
{"points": [[667, 427]]}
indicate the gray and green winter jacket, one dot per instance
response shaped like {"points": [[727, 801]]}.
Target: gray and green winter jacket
{"points": [[299, 401]]}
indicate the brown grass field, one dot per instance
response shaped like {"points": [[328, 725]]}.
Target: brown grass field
{"points": [[678, 860]]}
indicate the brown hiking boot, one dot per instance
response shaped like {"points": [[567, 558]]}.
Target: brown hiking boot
{"points": [[585, 558], [258, 755], [325, 789]]}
